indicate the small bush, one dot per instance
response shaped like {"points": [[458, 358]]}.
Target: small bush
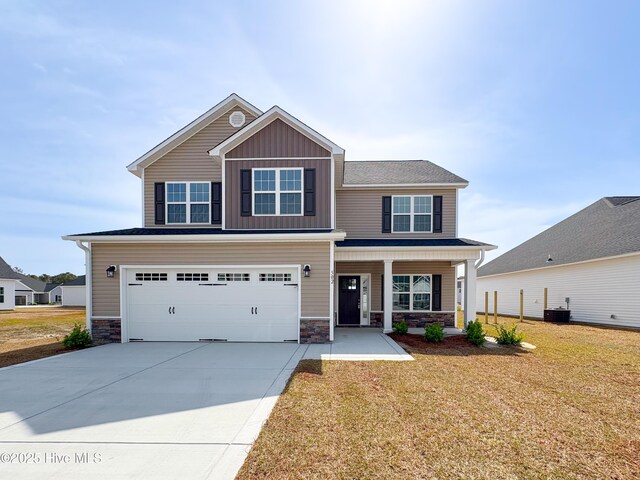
{"points": [[401, 327], [475, 334], [508, 335], [78, 338], [433, 333]]}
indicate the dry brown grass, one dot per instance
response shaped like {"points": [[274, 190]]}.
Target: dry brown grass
{"points": [[32, 333], [569, 409]]}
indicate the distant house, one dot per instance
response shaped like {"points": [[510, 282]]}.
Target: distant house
{"points": [[74, 292], [30, 291], [591, 260], [7, 286], [55, 292]]}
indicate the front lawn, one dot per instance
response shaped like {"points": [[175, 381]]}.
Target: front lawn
{"points": [[31, 333], [569, 409]]}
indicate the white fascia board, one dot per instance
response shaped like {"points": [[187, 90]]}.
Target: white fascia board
{"points": [[548, 267], [222, 238], [407, 185], [264, 120], [192, 128]]}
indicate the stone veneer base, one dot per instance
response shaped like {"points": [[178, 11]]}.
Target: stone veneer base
{"points": [[314, 330], [106, 330]]}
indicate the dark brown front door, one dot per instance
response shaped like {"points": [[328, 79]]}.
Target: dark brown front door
{"points": [[349, 301]]}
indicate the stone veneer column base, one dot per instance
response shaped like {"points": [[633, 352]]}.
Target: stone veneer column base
{"points": [[421, 319], [315, 330], [376, 319], [106, 330]]}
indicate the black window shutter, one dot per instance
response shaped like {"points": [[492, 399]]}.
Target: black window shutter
{"points": [[245, 193], [386, 214], [309, 192], [436, 293], [159, 203], [216, 202], [437, 214]]}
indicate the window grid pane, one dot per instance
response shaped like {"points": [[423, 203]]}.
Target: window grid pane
{"points": [[199, 192], [177, 213], [422, 223], [290, 180], [290, 203], [401, 223], [421, 301], [176, 192], [401, 301], [401, 283], [401, 204], [421, 284], [264, 180], [422, 204], [200, 213], [265, 203]]}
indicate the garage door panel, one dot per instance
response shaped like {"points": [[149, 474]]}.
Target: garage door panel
{"points": [[174, 307]]}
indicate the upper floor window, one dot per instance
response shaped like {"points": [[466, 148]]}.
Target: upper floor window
{"points": [[277, 191], [188, 202], [412, 213]]}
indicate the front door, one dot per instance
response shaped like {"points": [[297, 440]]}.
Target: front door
{"points": [[349, 301]]}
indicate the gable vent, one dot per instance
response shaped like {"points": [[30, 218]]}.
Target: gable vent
{"points": [[237, 119]]}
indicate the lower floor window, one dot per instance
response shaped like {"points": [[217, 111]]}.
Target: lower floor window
{"points": [[412, 292]]}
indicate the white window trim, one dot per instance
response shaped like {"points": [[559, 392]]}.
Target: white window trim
{"points": [[188, 203], [411, 213], [277, 193], [411, 292]]}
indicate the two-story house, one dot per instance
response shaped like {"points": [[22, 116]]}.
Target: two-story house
{"points": [[255, 228]]}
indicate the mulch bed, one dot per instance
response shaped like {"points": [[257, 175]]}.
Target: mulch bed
{"points": [[418, 342]]}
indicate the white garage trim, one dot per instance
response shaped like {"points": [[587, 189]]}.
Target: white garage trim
{"points": [[124, 270]]}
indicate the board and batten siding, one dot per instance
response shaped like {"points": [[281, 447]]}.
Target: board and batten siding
{"points": [[277, 140], [189, 161], [359, 212], [315, 289], [596, 291], [376, 270], [233, 219]]}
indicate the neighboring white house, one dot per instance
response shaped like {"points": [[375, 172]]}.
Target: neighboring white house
{"points": [[7, 286], [591, 259], [55, 293], [74, 293]]}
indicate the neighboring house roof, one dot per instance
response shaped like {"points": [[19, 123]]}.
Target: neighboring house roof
{"points": [[398, 172], [265, 119], [77, 282], [6, 272], [412, 242], [51, 286], [35, 285], [188, 131], [606, 228]]}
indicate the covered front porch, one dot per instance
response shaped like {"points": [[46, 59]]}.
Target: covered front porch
{"points": [[380, 282]]}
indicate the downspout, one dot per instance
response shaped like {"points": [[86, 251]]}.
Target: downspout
{"points": [[480, 260], [88, 280]]}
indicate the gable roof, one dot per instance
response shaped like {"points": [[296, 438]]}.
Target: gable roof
{"points": [[6, 272], [76, 282], [37, 286], [265, 119], [606, 228], [188, 131], [398, 172]]}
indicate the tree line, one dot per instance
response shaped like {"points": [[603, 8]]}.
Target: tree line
{"points": [[59, 278]]}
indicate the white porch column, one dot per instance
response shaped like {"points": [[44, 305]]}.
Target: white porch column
{"points": [[469, 291], [388, 295]]}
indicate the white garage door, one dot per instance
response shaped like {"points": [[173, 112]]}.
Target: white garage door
{"points": [[194, 304]]}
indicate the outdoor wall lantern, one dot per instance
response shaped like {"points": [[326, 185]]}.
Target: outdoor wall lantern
{"points": [[111, 271], [307, 270]]}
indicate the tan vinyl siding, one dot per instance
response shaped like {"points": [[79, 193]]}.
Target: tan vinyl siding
{"points": [[399, 268], [277, 140], [359, 212], [189, 161], [315, 289], [322, 218]]}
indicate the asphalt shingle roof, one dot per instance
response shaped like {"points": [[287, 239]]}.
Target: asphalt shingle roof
{"points": [[51, 286], [608, 227], [79, 281], [6, 272], [392, 172], [190, 231], [410, 242], [35, 285]]}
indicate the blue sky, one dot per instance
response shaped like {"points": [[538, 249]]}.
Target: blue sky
{"points": [[536, 103]]}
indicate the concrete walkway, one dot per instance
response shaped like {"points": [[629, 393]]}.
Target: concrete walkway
{"points": [[358, 344]]}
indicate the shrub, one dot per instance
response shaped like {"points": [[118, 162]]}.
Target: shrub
{"points": [[508, 335], [433, 333], [401, 327], [78, 338], [475, 334]]}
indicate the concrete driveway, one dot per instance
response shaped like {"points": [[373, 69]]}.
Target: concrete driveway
{"points": [[140, 410]]}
